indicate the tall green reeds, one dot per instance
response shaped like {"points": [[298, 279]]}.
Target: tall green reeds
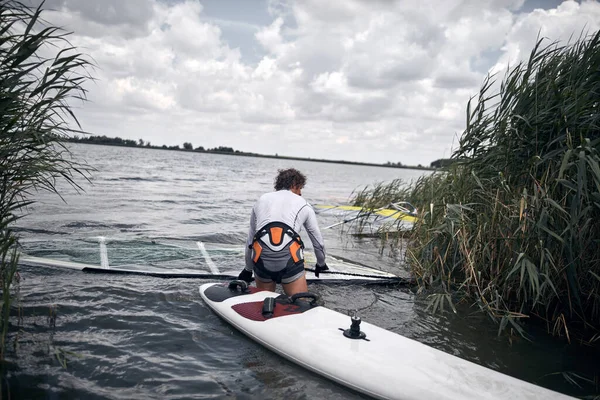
{"points": [[514, 223], [35, 117], [380, 195]]}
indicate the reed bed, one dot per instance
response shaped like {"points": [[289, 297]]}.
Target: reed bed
{"points": [[35, 119], [513, 225]]}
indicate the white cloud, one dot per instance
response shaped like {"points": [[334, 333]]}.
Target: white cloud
{"points": [[102, 18], [360, 80], [568, 20], [270, 36]]}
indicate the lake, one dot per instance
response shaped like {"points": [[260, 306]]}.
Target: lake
{"points": [[93, 336]]}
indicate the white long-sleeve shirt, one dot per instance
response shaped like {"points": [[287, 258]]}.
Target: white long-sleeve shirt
{"points": [[291, 209]]}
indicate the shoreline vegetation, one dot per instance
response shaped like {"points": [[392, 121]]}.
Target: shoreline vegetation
{"points": [[117, 141], [511, 225], [37, 87]]}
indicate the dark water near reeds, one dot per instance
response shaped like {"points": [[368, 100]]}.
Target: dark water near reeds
{"points": [[132, 337]]}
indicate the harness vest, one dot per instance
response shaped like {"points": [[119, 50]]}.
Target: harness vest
{"points": [[277, 236]]}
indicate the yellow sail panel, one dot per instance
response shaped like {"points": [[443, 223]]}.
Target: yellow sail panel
{"points": [[386, 212]]}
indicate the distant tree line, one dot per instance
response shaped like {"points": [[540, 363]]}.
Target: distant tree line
{"points": [[442, 163], [117, 141], [393, 164], [187, 146], [400, 165], [108, 141]]}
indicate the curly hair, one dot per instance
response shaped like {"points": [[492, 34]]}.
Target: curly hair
{"points": [[289, 178]]}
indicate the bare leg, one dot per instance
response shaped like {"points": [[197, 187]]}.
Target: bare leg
{"points": [[270, 286], [298, 286]]}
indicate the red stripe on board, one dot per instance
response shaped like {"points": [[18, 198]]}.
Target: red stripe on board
{"points": [[253, 310]]}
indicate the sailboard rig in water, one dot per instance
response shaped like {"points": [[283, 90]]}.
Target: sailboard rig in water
{"points": [[395, 216], [169, 260]]}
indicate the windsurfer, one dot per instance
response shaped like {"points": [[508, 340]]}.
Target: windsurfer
{"points": [[274, 250]]}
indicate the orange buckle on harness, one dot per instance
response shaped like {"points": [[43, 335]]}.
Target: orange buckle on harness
{"points": [[257, 250], [294, 248]]}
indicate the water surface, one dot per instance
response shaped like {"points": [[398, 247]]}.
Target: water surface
{"points": [[135, 337]]}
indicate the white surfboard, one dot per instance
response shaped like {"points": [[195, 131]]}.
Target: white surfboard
{"points": [[384, 364]]}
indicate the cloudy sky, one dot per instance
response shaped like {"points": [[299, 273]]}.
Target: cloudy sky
{"points": [[360, 80]]}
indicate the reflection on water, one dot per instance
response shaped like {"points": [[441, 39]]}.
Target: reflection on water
{"points": [[136, 337]]}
